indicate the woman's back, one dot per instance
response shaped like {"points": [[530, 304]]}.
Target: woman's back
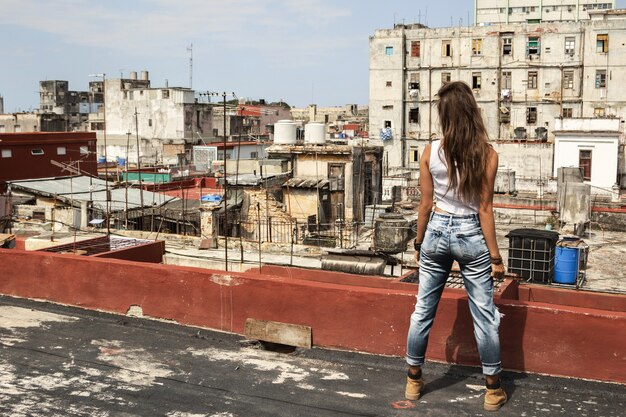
{"points": [[448, 198]]}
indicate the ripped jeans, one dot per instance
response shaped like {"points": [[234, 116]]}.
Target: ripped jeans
{"points": [[449, 238]]}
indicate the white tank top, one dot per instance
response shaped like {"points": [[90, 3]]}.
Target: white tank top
{"points": [[447, 199]]}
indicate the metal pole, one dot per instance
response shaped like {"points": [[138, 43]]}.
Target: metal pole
{"points": [[225, 192], [126, 182], [258, 215], [139, 165], [106, 161]]}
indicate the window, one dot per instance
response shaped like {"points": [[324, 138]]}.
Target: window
{"points": [[6, 153], [388, 107], [336, 176], [532, 80], [165, 94], [505, 113], [600, 78], [506, 80], [387, 124], [415, 49], [414, 115], [61, 150], [602, 43], [36, 151], [150, 122], [507, 46], [568, 79], [414, 155], [17, 128], [531, 115], [569, 45], [84, 150], [599, 112], [130, 95], [476, 80], [584, 163], [477, 46], [388, 84], [388, 50], [445, 77], [254, 155], [446, 48], [567, 112], [533, 46]]}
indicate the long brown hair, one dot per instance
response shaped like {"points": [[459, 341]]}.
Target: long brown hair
{"points": [[465, 141]]}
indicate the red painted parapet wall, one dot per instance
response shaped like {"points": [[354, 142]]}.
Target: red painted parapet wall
{"points": [[369, 315]]}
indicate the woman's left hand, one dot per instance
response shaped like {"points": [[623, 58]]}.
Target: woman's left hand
{"points": [[497, 271]]}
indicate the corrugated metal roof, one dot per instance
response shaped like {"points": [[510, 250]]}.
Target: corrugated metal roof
{"points": [[250, 179], [61, 185], [306, 183], [83, 188]]}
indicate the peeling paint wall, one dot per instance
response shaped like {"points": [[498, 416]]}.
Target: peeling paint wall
{"points": [[536, 92], [344, 311]]}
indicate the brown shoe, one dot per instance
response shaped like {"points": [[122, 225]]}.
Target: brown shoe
{"points": [[414, 388], [494, 399]]}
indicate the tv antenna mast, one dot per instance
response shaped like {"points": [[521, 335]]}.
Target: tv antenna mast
{"points": [[190, 49]]}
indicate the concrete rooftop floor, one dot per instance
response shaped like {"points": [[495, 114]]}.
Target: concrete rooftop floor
{"points": [[63, 361]]}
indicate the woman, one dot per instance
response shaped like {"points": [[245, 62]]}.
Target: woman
{"points": [[459, 171]]}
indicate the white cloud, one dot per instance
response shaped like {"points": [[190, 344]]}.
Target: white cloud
{"points": [[151, 27]]}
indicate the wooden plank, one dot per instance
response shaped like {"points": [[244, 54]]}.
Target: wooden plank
{"points": [[5, 238], [275, 332]]}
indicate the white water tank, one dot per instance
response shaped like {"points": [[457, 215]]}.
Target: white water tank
{"points": [[285, 132], [315, 133]]}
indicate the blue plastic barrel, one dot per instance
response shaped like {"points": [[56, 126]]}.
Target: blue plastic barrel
{"points": [[566, 265], [101, 160]]}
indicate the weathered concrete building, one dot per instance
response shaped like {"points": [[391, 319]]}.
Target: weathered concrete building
{"points": [[56, 97], [166, 116], [312, 113], [33, 122], [594, 146], [261, 117], [523, 76], [334, 182], [535, 11]]}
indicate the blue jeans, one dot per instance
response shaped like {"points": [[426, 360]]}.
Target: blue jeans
{"points": [[449, 238]]}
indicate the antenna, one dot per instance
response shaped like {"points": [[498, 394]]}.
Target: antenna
{"points": [[190, 49]]}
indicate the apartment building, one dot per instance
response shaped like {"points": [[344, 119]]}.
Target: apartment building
{"points": [[536, 11], [524, 75], [167, 120], [56, 97]]}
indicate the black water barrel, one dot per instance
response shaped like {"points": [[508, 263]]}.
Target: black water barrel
{"points": [[532, 253]]}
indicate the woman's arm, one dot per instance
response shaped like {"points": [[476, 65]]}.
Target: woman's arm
{"points": [[485, 212], [426, 195]]}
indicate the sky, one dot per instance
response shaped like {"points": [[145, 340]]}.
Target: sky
{"points": [[298, 51]]}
